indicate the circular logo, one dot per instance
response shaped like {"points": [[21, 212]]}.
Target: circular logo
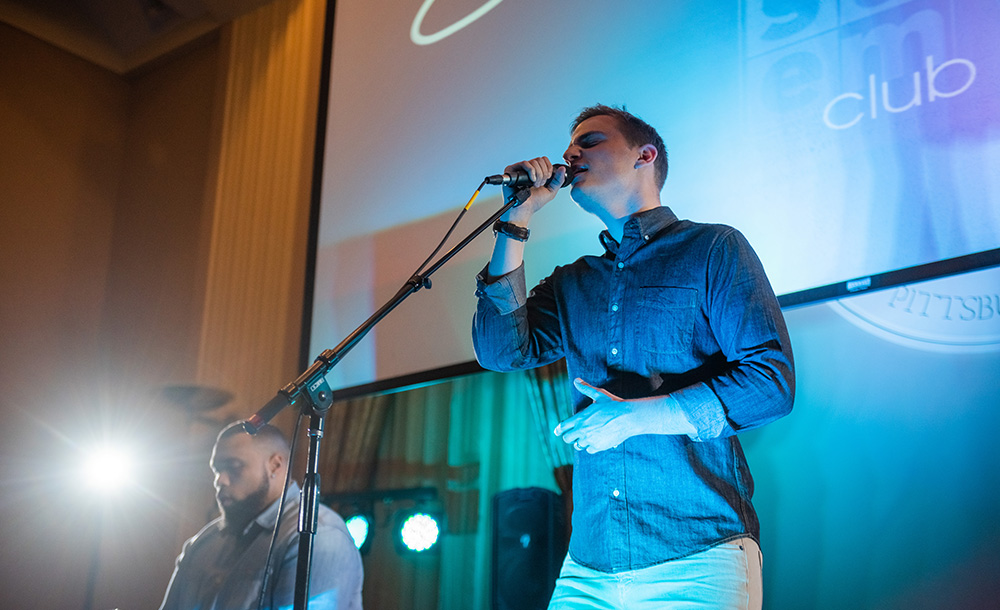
{"points": [[960, 313]]}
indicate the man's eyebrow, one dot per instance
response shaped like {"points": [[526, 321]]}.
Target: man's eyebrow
{"points": [[586, 136], [225, 463]]}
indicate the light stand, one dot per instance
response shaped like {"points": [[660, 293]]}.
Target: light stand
{"points": [[95, 562]]}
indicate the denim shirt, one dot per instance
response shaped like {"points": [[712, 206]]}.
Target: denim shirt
{"points": [[677, 308]]}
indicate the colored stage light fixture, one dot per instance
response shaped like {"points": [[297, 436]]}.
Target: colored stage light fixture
{"points": [[415, 529], [419, 531], [359, 526]]}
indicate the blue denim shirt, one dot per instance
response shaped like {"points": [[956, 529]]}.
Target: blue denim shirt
{"points": [[678, 308]]}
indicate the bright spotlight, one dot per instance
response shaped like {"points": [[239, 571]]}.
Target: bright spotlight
{"points": [[359, 526], [419, 532], [107, 469]]}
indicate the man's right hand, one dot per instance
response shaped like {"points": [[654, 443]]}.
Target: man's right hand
{"points": [[508, 253], [540, 171]]}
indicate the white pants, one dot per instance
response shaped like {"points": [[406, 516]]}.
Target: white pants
{"points": [[724, 577]]}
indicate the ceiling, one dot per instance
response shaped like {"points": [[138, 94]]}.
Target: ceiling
{"points": [[122, 35]]}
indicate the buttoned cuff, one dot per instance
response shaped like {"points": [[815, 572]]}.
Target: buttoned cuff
{"points": [[703, 409], [507, 292]]}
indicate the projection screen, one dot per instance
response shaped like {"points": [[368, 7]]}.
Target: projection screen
{"points": [[844, 139]]}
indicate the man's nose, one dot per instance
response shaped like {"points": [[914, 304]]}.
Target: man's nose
{"points": [[573, 152], [221, 480]]}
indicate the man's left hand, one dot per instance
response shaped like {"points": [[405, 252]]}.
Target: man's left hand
{"points": [[610, 419], [602, 425]]}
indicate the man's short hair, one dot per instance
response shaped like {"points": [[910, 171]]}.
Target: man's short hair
{"points": [[266, 435], [636, 131]]}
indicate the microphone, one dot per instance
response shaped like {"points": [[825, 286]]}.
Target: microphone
{"points": [[520, 178], [258, 420]]}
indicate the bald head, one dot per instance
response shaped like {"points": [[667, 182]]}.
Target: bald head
{"points": [[249, 471], [267, 437]]}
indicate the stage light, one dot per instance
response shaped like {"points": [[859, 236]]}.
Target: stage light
{"points": [[108, 469], [359, 526], [104, 470], [418, 531]]}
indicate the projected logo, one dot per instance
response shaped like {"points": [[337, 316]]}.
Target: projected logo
{"points": [[424, 39], [873, 123], [856, 104], [952, 314], [832, 65]]}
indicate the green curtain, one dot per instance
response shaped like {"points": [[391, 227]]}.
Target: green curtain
{"points": [[551, 402], [353, 432], [468, 437]]}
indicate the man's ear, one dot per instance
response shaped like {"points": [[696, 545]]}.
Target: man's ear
{"points": [[274, 463], [647, 155]]}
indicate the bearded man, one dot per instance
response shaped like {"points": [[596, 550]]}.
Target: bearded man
{"points": [[222, 567]]}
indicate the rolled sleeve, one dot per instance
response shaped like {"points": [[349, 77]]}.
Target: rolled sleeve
{"points": [[512, 331], [703, 409], [507, 292]]}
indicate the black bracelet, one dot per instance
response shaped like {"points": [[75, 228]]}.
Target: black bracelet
{"points": [[511, 230]]}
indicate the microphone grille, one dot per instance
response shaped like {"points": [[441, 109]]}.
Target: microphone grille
{"points": [[569, 174]]}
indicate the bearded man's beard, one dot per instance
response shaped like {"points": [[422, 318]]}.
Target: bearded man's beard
{"points": [[240, 512]]}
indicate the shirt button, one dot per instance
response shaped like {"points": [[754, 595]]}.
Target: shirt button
{"points": [[621, 265], [614, 351], [615, 493], [646, 237], [614, 307]]}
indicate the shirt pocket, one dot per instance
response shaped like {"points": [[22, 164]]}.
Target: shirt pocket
{"points": [[666, 319]]}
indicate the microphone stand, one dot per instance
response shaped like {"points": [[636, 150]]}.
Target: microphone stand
{"points": [[313, 390]]}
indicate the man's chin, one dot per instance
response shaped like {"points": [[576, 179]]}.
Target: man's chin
{"points": [[238, 514], [232, 513], [235, 519]]}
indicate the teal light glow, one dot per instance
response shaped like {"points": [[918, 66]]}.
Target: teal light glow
{"points": [[419, 532], [358, 526]]}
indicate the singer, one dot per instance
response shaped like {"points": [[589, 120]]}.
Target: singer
{"points": [[676, 344]]}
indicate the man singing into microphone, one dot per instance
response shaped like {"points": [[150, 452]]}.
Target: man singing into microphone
{"points": [[676, 343]]}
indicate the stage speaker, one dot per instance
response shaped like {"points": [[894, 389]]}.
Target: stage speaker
{"points": [[529, 544]]}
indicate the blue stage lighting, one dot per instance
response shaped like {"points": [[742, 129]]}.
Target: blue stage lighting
{"points": [[418, 531], [359, 527]]}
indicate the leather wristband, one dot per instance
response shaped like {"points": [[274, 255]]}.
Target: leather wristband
{"points": [[511, 230]]}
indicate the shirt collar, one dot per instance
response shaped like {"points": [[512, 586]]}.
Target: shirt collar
{"points": [[642, 226]]}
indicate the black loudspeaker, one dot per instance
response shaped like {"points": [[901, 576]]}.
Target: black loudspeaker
{"points": [[529, 544]]}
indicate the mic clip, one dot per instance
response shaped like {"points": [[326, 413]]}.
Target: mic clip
{"points": [[520, 195]]}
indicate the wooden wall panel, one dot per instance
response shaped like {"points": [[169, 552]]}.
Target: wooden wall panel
{"points": [[252, 314]]}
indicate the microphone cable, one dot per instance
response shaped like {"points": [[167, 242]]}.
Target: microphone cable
{"points": [[281, 511], [444, 240]]}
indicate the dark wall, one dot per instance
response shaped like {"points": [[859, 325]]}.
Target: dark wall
{"points": [[102, 247]]}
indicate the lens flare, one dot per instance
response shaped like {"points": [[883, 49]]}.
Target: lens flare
{"points": [[107, 469]]}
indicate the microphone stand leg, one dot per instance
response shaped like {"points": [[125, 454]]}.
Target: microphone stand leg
{"points": [[308, 514]]}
